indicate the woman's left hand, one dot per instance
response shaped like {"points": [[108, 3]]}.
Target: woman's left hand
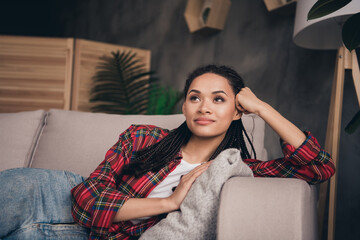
{"points": [[246, 102]]}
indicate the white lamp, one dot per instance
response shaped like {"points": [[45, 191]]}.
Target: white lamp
{"points": [[325, 33], [321, 33]]}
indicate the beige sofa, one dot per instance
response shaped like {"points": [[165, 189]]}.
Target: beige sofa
{"points": [[250, 208]]}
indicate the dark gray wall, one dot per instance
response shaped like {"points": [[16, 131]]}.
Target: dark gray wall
{"points": [[257, 43]]}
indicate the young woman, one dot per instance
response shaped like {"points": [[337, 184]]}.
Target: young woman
{"points": [[150, 170]]}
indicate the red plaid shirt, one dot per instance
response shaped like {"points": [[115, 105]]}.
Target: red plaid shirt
{"points": [[97, 199]]}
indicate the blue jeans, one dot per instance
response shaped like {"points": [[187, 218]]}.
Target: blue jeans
{"points": [[36, 204]]}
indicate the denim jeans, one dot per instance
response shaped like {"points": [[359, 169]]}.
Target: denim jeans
{"points": [[36, 204]]}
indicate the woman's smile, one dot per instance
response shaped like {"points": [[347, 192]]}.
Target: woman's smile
{"points": [[204, 121]]}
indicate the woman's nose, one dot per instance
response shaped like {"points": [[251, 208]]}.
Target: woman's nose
{"points": [[205, 107]]}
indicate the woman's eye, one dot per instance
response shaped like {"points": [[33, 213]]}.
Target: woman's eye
{"points": [[194, 98], [219, 99]]}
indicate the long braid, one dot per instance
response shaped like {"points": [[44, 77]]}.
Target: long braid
{"points": [[156, 156], [234, 138], [248, 138]]}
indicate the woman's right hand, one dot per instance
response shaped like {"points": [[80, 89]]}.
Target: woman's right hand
{"points": [[185, 184], [247, 102]]}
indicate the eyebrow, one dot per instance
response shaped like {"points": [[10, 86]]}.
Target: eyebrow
{"points": [[214, 92]]}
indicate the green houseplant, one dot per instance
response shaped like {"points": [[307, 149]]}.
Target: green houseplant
{"points": [[162, 100], [122, 85], [350, 36]]}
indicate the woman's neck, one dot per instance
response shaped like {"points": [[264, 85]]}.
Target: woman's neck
{"points": [[199, 150]]}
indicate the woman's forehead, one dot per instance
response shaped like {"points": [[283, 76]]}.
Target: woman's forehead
{"points": [[210, 82]]}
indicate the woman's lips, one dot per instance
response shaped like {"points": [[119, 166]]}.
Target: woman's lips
{"points": [[204, 121]]}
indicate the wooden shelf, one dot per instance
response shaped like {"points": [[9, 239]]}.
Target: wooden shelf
{"points": [[272, 5], [209, 15]]}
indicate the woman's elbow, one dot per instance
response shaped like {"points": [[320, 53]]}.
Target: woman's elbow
{"points": [[325, 171]]}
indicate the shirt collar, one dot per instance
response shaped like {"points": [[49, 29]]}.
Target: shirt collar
{"points": [[179, 155]]}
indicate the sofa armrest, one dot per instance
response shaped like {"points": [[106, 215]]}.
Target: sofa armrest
{"points": [[267, 208]]}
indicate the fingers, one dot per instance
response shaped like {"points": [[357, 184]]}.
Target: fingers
{"points": [[196, 172], [240, 108], [239, 98], [199, 171], [247, 102], [185, 184]]}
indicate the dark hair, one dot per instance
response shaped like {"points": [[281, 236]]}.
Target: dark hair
{"points": [[156, 156]]}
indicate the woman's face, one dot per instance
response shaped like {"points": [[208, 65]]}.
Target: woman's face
{"points": [[209, 107]]}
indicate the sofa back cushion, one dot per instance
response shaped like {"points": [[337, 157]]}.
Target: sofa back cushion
{"points": [[78, 141], [19, 134]]}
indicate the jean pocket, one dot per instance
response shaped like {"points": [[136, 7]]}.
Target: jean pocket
{"points": [[63, 231], [40, 231]]}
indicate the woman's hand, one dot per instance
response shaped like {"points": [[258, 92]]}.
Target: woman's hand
{"points": [[246, 102], [145, 207], [185, 184]]}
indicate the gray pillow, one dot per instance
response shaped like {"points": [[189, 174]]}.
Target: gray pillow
{"points": [[198, 212]]}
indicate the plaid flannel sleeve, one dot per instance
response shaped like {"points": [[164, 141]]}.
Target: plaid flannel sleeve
{"points": [[309, 162], [96, 200]]}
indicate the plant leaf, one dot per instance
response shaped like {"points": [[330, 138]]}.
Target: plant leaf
{"points": [[162, 100], [353, 124], [121, 84], [351, 32], [324, 7]]}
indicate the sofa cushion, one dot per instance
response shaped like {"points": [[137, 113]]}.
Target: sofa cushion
{"points": [[267, 208], [78, 141], [19, 134]]}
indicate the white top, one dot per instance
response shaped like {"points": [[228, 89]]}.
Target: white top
{"points": [[165, 188]]}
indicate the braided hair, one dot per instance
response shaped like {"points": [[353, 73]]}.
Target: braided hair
{"points": [[158, 155]]}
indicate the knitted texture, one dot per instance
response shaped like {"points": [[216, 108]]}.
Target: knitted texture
{"points": [[198, 212]]}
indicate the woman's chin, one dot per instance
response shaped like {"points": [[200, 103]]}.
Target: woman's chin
{"points": [[207, 134]]}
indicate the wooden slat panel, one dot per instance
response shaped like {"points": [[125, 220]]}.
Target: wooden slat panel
{"points": [[35, 73], [36, 93], [17, 105], [87, 57], [18, 79]]}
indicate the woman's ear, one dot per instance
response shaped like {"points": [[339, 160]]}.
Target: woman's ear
{"points": [[237, 115], [183, 108]]}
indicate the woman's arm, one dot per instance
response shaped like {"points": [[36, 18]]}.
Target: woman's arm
{"points": [[247, 102], [303, 156], [145, 207], [309, 162]]}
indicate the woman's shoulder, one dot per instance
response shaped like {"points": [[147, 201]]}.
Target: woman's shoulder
{"points": [[147, 128], [142, 130], [141, 136]]}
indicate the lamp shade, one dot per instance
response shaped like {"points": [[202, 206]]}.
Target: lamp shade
{"points": [[324, 32]]}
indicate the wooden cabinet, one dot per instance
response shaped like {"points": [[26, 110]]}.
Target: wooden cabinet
{"points": [[44, 73], [280, 5]]}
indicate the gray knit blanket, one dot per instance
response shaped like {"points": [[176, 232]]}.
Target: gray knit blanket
{"points": [[198, 212]]}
